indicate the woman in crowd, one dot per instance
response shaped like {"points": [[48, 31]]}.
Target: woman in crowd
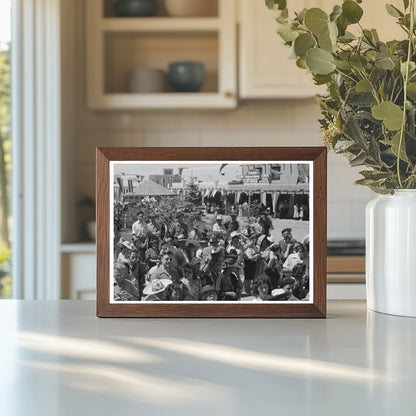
{"points": [[193, 282], [261, 288]]}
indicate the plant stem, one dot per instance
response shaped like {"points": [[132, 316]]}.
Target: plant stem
{"points": [[406, 79]]}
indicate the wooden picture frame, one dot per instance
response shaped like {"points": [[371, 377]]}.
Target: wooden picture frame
{"points": [[109, 159]]}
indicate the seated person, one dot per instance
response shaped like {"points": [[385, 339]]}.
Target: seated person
{"points": [[209, 294], [125, 289], [261, 289], [157, 290], [229, 286]]}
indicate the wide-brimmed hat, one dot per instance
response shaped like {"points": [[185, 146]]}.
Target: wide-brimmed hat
{"points": [[156, 286], [219, 217], [208, 289], [234, 234], [286, 230]]}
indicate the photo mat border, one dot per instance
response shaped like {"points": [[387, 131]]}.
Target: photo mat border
{"points": [[316, 308], [311, 195]]}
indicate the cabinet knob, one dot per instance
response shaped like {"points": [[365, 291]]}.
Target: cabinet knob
{"points": [[229, 94]]}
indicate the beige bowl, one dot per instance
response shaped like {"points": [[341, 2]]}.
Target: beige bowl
{"points": [[191, 8], [147, 80]]}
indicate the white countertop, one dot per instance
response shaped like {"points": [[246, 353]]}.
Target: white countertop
{"points": [[57, 358]]}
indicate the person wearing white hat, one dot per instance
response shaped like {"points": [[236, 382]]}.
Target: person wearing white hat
{"points": [[218, 228], [156, 289]]}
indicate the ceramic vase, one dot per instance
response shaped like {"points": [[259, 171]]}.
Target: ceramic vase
{"points": [[391, 253]]}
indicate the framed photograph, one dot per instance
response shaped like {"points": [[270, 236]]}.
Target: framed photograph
{"points": [[211, 232]]}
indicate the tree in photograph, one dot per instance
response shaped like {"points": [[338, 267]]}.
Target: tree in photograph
{"points": [[193, 193]]}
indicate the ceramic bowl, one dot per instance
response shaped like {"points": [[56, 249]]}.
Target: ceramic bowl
{"points": [[135, 8], [186, 76], [147, 80]]}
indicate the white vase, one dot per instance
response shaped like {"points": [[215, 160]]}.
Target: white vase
{"points": [[391, 253]]}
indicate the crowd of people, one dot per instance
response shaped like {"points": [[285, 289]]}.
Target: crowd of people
{"points": [[199, 257]]}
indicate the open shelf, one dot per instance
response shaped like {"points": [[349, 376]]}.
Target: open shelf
{"points": [[210, 9], [116, 46], [160, 24]]}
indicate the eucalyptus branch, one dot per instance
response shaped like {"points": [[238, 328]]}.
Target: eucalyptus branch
{"points": [[406, 79]]}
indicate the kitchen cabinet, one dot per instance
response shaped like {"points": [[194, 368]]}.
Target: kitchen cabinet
{"points": [[265, 70], [118, 45]]}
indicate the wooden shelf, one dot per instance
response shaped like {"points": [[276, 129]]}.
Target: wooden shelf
{"points": [[196, 100], [160, 24]]}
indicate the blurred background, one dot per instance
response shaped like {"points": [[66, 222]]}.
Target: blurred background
{"points": [[98, 73]]}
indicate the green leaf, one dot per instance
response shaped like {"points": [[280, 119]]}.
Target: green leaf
{"points": [[321, 79], [343, 145], [319, 61], [388, 112], [394, 143], [344, 65], [411, 90], [374, 175], [358, 160], [316, 20], [358, 61], [347, 37], [287, 33], [325, 42], [406, 4], [336, 12], [276, 4], [303, 43], [301, 15], [393, 11], [301, 63], [351, 11], [384, 62], [375, 35], [363, 86]]}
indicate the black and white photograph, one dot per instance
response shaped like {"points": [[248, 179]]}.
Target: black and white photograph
{"points": [[211, 231]]}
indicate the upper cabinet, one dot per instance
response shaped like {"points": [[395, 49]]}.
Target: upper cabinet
{"points": [[265, 68], [129, 59]]}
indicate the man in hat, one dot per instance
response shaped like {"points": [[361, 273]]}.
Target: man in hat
{"points": [[229, 284], [265, 222], [218, 228], [179, 258], [126, 248], [286, 244], [233, 225]]}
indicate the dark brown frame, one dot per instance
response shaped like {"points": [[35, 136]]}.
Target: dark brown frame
{"points": [[317, 309]]}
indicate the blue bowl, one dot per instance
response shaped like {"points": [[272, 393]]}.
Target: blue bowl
{"points": [[186, 76], [135, 8]]}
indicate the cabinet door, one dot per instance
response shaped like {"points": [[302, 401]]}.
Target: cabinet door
{"points": [[266, 71], [265, 68]]}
